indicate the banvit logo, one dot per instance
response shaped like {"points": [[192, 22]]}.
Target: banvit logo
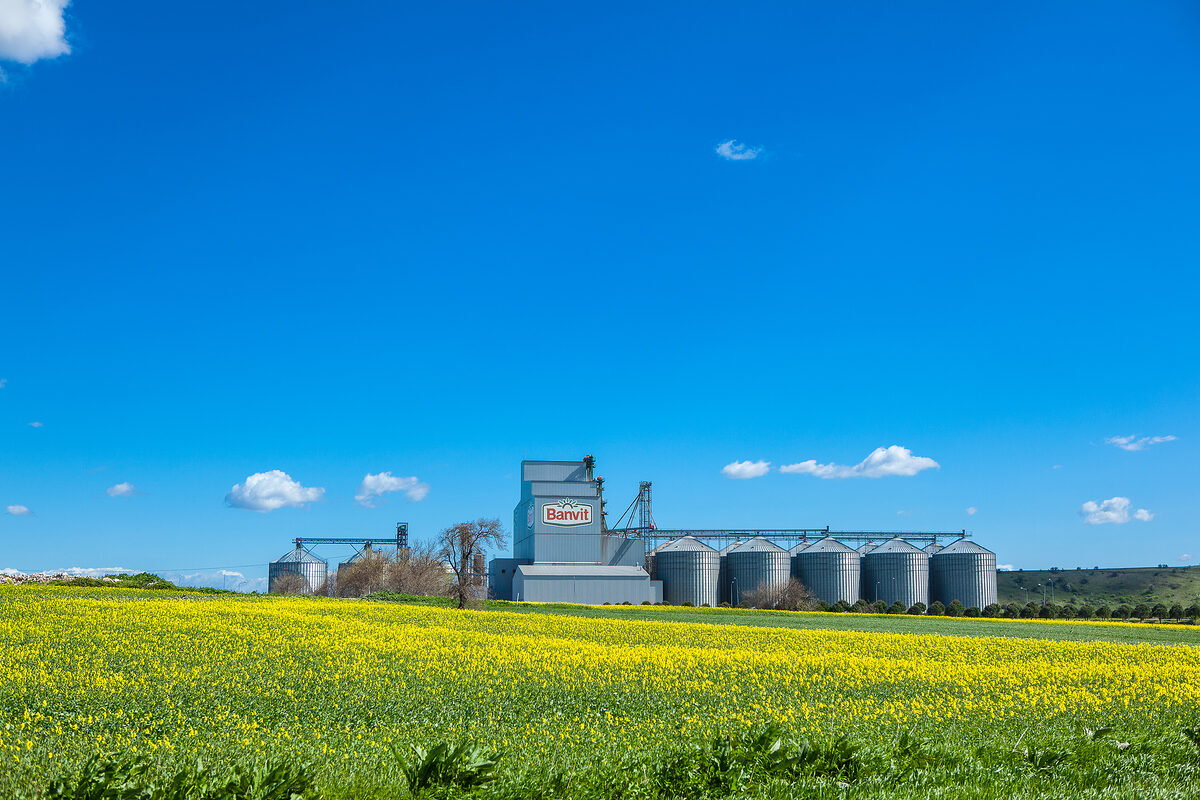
{"points": [[566, 513]]}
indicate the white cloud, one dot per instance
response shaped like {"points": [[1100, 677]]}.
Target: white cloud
{"points": [[95, 572], [740, 470], [1057, 466], [1114, 510], [882, 462], [32, 29], [1185, 556], [218, 579], [267, 491], [3, 382], [1005, 568], [971, 511], [733, 150], [1135, 443], [124, 489], [33, 424], [374, 486], [18, 511]]}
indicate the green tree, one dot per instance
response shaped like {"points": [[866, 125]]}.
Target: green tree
{"points": [[1176, 612], [916, 608], [1086, 612], [955, 609], [1193, 610], [1141, 611], [1103, 612], [897, 608], [992, 610], [1159, 611], [936, 609], [1122, 612], [879, 607], [971, 611]]}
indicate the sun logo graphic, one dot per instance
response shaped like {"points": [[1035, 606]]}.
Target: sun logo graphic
{"points": [[566, 513]]}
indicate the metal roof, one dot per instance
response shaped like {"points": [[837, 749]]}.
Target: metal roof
{"points": [[730, 546], [829, 545], [300, 555], [579, 571], [684, 543], [896, 545], [758, 545], [866, 548], [964, 546], [932, 548], [798, 548]]}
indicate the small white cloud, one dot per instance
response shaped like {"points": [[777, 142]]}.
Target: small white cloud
{"points": [[268, 491], [124, 489], [18, 511], [218, 579], [1057, 466], [741, 470], [374, 486], [971, 511], [904, 513], [32, 29], [1185, 556], [95, 572], [34, 424], [1005, 568], [3, 382], [881, 463], [1114, 510], [1135, 443], [733, 150]]}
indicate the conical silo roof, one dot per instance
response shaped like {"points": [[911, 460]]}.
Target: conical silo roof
{"points": [[758, 545], [866, 548], [731, 546], [800, 548], [682, 544], [896, 545], [828, 545], [965, 546], [932, 548], [300, 556]]}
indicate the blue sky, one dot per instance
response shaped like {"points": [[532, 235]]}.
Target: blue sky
{"points": [[339, 241]]}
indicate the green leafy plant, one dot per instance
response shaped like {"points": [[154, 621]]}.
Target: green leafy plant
{"points": [[463, 765]]}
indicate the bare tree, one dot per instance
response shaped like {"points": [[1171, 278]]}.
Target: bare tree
{"points": [[289, 583], [462, 546], [417, 570], [790, 596]]}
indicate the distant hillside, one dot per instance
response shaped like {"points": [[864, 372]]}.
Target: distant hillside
{"points": [[1095, 587]]}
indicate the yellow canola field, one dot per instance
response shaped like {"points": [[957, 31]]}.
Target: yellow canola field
{"points": [[336, 681]]}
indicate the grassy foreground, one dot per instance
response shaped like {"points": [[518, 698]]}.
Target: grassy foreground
{"points": [[595, 703]]}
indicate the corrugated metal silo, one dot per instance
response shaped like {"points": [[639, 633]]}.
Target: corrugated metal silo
{"points": [[298, 562], [723, 587], [796, 549], [966, 572], [930, 549], [863, 592], [896, 571], [830, 570], [650, 561], [366, 552], [689, 570], [755, 564]]}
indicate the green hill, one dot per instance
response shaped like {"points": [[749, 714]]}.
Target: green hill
{"points": [[1095, 587]]}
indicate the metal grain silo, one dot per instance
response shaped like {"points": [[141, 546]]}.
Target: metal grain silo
{"points": [[723, 586], [366, 552], [298, 562], [830, 570], [796, 549], [963, 571], [930, 549], [863, 592], [688, 569], [896, 571], [755, 564]]}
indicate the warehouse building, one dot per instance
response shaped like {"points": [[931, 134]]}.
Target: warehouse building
{"points": [[561, 551]]}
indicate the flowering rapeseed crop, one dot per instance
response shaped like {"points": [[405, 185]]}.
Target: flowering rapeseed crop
{"points": [[337, 683]]}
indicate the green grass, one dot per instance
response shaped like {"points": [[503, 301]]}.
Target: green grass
{"points": [[867, 623], [1111, 587]]}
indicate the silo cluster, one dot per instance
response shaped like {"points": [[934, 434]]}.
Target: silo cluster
{"points": [[893, 571], [298, 562]]}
